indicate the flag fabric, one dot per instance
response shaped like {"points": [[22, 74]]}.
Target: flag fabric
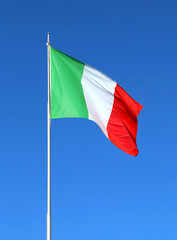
{"points": [[81, 91]]}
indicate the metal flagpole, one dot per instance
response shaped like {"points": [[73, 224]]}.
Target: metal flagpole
{"points": [[48, 147]]}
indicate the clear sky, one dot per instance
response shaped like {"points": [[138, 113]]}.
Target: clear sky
{"points": [[98, 191]]}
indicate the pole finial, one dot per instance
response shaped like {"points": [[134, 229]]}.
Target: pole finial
{"points": [[48, 41]]}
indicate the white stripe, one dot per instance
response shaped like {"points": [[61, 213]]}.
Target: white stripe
{"points": [[99, 96]]}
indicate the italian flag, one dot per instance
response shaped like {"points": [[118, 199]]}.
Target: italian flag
{"points": [[81, 91]]}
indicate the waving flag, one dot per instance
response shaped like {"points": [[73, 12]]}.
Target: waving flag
{"points": [[81, 91]]}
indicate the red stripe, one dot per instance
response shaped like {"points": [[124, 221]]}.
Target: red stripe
{"points": [[122, 124]]}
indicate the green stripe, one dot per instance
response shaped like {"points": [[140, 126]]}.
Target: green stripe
{"points": [[67, 97]]}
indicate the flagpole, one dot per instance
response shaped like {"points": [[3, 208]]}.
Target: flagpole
{"points": [[48, 146]]}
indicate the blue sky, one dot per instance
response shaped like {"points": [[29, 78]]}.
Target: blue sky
{"points": [[98, 191]]}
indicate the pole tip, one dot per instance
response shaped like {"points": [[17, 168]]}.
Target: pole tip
{"points": [[48, 41]]}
